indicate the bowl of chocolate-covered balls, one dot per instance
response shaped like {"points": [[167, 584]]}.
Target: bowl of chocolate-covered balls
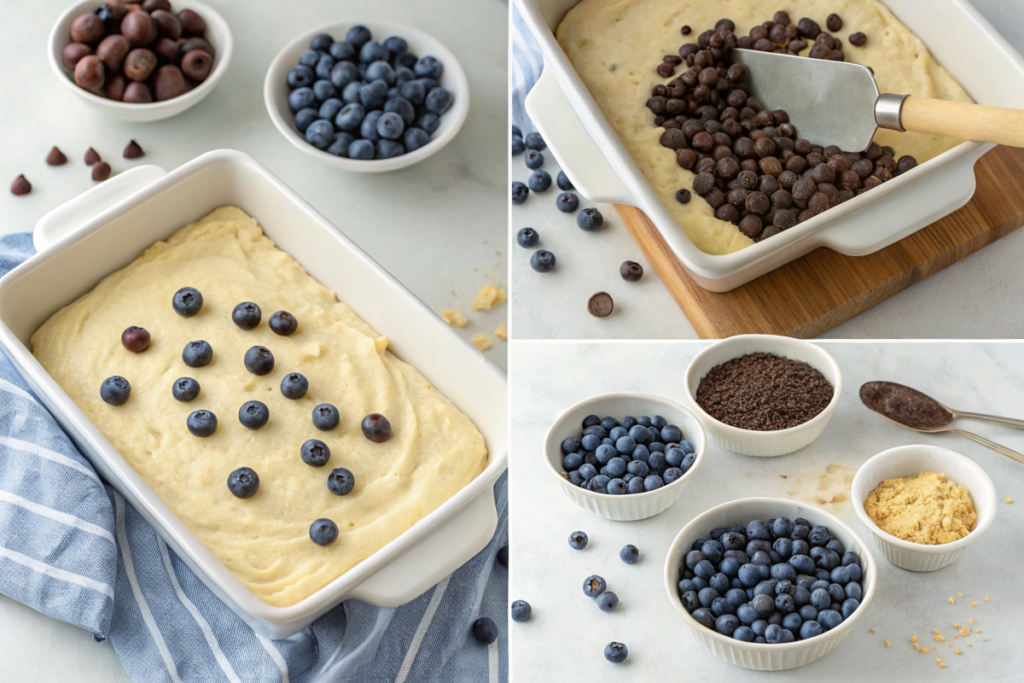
{"points": [[769, 584], [367, 97], [625, 456], [143, 61]]}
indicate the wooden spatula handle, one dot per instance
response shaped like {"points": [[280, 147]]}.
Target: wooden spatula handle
{"points": [[966, 121]]}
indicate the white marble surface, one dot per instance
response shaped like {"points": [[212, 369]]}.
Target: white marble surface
{"points": [[439, 227], [566, 636], [966, 300]]}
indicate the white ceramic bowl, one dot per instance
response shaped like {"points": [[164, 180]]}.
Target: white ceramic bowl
{"points": [[906, 461], [748, 441], [629, 507], [762, 656], [218, 34], [276, 90]]}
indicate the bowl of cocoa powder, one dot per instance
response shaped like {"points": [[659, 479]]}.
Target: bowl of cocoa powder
{"points": [[763, 395]]}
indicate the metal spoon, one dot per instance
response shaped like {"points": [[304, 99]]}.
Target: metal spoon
{"points": [[922, 413]]}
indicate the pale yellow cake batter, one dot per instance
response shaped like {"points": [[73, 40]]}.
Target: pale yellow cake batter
{"points": [[926, 508], [433, 452], [615, 46]]}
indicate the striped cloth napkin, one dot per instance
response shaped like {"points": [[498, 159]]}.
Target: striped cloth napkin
{"points": [[527, 65], [72, 548]]}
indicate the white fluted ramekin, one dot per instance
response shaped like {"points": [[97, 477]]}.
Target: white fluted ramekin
{"points": [[748, 441], [763, 656], [907, 461], [628, 507]]}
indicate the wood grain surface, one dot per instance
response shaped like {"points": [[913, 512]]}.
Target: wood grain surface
{"points": [[822, 289]]}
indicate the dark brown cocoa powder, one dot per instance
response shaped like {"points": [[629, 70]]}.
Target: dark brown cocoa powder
{"points": [[763, 392], [905, 405]]}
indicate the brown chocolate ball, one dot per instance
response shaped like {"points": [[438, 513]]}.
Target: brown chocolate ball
{"points": [[138, 28], [167, 24], [168, 83], [115, 87], [139, 64], [89, 72], [137, 93], [191, 23], [196, 43], [112, 50], [74, 52], [87, 28]]}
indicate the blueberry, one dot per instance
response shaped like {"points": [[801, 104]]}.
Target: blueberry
{"points": [[607, 601], [259, 360], [184, 389], [373, 51], [636, 485], [376, 428], [850, 606], [197, 354], [657, 462], [756, 530], [202, 423], [519, 193], [829, 619], [563, 180], [783, 572], [429, 122], [521, 610], [283, 323], [836, 546], [801, 563], [617, 487], [380, 70], [357, 36], [672, 474], [402, 107], [638, 468], [341, 144], [243, 483], [625, 444], [853, 590], [373, 95], [578, 540], [323, 90], [533, 159], [438, 100], [810, 629], [593, 586], [330, 109], [800, 547], [727, 624], [187, 301], [415, 138], [320, 134], [599, 484], [527, 237], [344, 74], [325, 417], [720, 583], [841, 576], [587, 471], [309, 58], [671, 434], [819, 536], [542, 261], [116, 390], [616, 432], [340, 481], [567, 202], [323, 69], [570, 445], [390, 126], [413, 91], [253, 414], [535, 141], [616, 467], [808, 612], [850, 558], [428, 67], [571, 462], [305, 117], [300, 76], [652, 482], [361, 149], [629, 554], [615, 653], [820, 599], [323, 532], [518, 146], [341, 50], [350, 93], [321, 41]]}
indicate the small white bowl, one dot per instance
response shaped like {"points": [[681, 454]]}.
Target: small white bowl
{"points": [[628, 507], [276, 90], [907, 461], [218, 34], [763, 656], [748, 441]]}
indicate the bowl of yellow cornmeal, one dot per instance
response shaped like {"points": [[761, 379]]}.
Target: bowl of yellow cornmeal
{"points": [[923, 504]]}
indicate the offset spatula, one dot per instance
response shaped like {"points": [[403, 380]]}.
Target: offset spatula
{"points": [[838, 103]]}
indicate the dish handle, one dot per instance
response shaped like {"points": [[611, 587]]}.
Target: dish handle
{"points": [[576, 152], [79, 211], [437, 556]]}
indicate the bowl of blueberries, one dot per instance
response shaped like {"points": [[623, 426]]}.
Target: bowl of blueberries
{"points": [[625, 456], [370, 97], [769, 584]]}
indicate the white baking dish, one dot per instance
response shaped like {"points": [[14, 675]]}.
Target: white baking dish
{"points": [[588, 150], [107, 227]]}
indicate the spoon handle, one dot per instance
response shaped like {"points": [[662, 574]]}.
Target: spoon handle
{"points": [[1008, 421], [991, 444]]}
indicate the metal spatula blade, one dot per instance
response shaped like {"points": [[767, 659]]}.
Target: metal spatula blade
{"points": [[830, 103]]}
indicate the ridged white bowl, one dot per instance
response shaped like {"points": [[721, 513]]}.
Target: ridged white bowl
{"points": [[628, 507], [906, 461], [748, 441], [763, 656]]}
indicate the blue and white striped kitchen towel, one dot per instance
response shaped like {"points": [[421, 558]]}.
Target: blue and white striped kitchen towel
{"points": [[74, 549], [527, 65]]}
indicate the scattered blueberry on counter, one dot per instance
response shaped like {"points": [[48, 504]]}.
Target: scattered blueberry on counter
{"points": [[535, 141], [187, 301], [115, 390], [185, 389], [527, 237], [485, 630], [520, 192], [325, 417], [629, 554], [616, 653], [259, 360], [244, 483], [594, 586], [323, 532], [202, 423], [340, 482], [567, 202], [253, 414], [607, 601], [772, 582], [542, 261], [197, 354], [631, 271], [578, 540], [610, 455], [540, 181], [521, 610], [589, 220], [363, 99], [376, 428], [533, 159], [563, 182]]}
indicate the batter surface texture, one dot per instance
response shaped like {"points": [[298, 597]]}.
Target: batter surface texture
{"points": [[433, 452]]}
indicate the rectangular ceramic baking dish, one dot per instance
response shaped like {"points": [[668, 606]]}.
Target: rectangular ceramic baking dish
{"points": [[107, 227], [591, 154]]}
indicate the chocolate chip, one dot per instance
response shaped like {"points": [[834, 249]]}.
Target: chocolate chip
{"points": [[808, 28], [100, 170], [728, 167], [91, 157], [834, 22], [21, 186], [673, 138], [686, 158], [133, 151], [715, 198], [784, 219], [858, 39], [782, 17], [771, 166], [905, 164], [703, 183], [600, 305], [56, 158], [727, 212], [665, 70], [683, 196], [631, 271], [862, 167], [751, 225]]}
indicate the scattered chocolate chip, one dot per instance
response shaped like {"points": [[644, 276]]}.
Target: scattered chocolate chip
{"points": [[133, 151], [858, 39], [92, 157], [631, 271], [100, 170], [56, 158], [686, 30], [21, 186], [834, 22], [600, 305]]}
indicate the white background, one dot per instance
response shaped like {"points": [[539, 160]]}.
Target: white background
{"points": [[970, 299], [439, 227], [565, 638]]}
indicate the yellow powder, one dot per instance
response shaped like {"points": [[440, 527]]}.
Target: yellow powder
{"points": [[925, 509]]}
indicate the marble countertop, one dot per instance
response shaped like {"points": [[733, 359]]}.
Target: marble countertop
{"points": [[438, 227], [565, 638], [966, 300]]}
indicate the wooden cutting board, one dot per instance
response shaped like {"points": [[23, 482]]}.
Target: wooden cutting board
{"points": [[822, 289]]}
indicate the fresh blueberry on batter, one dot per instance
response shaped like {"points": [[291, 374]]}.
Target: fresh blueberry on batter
{"points": [[115, 390], [185, 389], [202, 423], [340, 482], [197, 354], [187, 302], [244, 483], [253, 414], [315, 453], [485, 630], [246, 315], [323, 532], [259, 360], [325, 417], [294, 386], [376, 428], [283, 323]]}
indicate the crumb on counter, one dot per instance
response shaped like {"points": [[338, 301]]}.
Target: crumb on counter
{"points": [[886, 642], [959, 594], [913, 639], [453, 317], [481, 341], [986, 598], [1008, 501], [489, 296], [974, 604], [951, 601], [965, 631], [502, 332]]}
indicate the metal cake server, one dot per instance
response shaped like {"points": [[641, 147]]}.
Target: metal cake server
{"points": [[838, 103]]}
